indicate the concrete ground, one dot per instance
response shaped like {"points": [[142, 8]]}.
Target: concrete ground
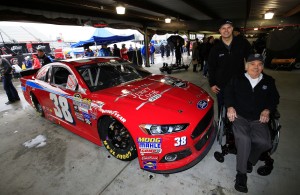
{"points": [[68, 164]]}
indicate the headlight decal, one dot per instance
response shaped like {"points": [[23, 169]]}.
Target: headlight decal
{"points": [[163, 129]]}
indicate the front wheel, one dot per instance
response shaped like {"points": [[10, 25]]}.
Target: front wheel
{"points": [[117, 139]]}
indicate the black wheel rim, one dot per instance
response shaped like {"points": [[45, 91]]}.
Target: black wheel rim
{"points": [[118, 135]]}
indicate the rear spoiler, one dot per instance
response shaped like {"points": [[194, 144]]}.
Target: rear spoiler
{"points": [[28, 72]]}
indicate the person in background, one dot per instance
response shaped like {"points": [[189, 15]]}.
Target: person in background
{"points": [[130, 48], [168, 50], [206, 49], [88, 52], [250, 98], [226, 59], [188, 45], [195, 55], [104, 51], [36, 62], [124, 51], [152, 51], [44, 59], [178, 52], [162, 50], [6, 72], [116, 51], [28, 62]]}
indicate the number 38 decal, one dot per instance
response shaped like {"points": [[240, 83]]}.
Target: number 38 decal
{"points": [[180, 141], [61, 109]]}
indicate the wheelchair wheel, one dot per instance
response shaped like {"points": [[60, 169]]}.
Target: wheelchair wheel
{"points": [[275, 134], [221, 125]]}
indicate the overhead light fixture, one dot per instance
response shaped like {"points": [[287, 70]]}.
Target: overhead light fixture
{"points": [[255, 29], [120, 9], [168, 20], [269, 15]]}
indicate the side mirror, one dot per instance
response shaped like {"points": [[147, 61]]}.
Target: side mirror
{"points": [[71, 83]]}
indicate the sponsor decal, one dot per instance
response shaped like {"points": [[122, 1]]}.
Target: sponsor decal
{"points": [[79, 116], [150, 158], [145, 94], [115, 114], [155, 97], [149, 145], [202, 104], [149, 165]]}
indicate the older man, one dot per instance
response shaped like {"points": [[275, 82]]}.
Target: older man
{"points": [[249, 98]]}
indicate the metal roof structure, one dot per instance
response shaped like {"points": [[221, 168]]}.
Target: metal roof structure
{"points": [[186, 15]]}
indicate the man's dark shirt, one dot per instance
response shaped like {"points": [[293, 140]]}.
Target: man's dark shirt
{"points": [[225, 62]]}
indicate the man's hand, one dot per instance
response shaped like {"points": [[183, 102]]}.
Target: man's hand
{"points": [[215, 89], [231, 114], [264, 116]]}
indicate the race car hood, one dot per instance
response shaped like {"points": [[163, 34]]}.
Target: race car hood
{"points": [[159, 91]]}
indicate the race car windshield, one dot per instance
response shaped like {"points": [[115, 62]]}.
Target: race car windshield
{"points": [[103, 76]]}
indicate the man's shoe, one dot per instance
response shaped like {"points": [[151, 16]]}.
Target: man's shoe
{"points": [[266, 169], [241, 182], [249, 167], [9, 102]]}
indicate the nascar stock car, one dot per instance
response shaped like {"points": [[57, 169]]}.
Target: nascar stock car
{"points": [[166, 122]]}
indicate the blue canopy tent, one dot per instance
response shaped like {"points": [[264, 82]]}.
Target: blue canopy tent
{"points": [[102, 36]]}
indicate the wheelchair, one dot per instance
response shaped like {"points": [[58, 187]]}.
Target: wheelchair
{"points": [[225, 138]]}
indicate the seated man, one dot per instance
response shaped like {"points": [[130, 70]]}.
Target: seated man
{"points": [[249, 99]]}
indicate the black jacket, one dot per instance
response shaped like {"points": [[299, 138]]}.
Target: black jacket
{"points": [[6, 67], [224, 64], [248, 102], [45, 60]]}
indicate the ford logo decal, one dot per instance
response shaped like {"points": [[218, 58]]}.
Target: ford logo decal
{"points": [[202, 104]]}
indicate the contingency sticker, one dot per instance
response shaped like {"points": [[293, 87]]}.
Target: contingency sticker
{"points": [[149, 165], [149, 145]]}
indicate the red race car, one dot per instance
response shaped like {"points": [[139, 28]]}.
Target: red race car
{"points": [[166, 122]]}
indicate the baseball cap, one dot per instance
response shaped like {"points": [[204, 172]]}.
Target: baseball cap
{"points": [[41, 48], [226, 21], [253, 57]]}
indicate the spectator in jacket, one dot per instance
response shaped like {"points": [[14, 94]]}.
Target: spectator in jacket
{"points": [[28, 62], [195, 55], [36, 62], [249, 98], [116, 51], [226, 59], [44, 59], [152, 51], [178, 52], [162, 50], [206, 49], [104, 51], [124, 51], [6, 72]]}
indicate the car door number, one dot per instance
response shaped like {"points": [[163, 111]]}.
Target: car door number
{"points": [[180, 141], [61, 109]]}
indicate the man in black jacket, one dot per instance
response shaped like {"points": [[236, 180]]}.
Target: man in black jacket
{"points": [[6, 71], [249, 98], [226, 59], [44, 59]]}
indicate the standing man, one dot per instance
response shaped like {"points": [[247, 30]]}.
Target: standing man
{"points": [[152, 51], [44, 59], [6, 71], [226, 59], [178, 51]]}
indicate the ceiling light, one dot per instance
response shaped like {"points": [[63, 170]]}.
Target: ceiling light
{"points": [[120, 9], [168, 20], [269, 15], [255, 29]]}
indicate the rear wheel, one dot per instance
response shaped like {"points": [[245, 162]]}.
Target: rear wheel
{"points": [[37, 105], [117, 139]]}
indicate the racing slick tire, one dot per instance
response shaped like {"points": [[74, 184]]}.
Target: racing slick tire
{"points": [[37, 105], [117, 139]]}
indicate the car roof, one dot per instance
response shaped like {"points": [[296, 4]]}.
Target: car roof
{"points": [[91, 60]]}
